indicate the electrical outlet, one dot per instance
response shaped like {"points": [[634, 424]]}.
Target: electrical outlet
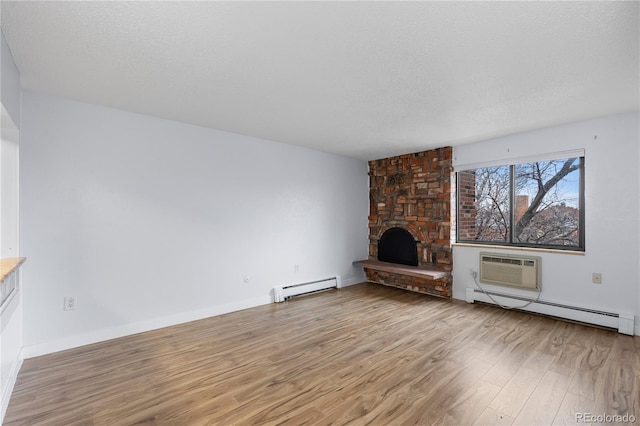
{"points": [[70, 303], [296, 268], [596, 278]]}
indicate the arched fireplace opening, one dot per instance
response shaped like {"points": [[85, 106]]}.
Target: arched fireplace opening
{"points": [[397, 245]]}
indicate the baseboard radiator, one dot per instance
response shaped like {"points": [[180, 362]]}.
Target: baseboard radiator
{"points": [[623, 322], [280, 294]]}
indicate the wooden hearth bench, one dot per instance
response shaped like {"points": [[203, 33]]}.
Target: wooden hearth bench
{"points": [[428, 280], [414, 271]]}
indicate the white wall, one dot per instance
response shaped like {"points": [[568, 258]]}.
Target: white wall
{"points": [[150, 222], [11, 315], [612, 222], [9, 151], [10, 116], [9, 82], [11, 310]]}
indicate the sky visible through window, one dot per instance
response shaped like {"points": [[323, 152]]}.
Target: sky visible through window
{"points": [[537, 203], [567, 189]]}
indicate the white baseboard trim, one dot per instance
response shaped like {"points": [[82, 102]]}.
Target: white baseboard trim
{"points": [[11, 382], [138, 327], [622, 321], [97, 336], [353, 281]]}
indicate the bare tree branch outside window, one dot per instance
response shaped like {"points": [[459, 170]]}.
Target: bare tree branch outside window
{"points": [[543, 203]]}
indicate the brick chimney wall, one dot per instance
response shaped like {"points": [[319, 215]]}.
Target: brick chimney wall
{"points": [[467, 209], [413, 191]]}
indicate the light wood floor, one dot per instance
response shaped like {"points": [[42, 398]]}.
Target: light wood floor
{"points": [[366, 354]]}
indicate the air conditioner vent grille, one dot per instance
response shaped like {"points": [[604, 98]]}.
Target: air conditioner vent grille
{"points": [[506, 260]]}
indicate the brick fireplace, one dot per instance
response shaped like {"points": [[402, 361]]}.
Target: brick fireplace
{"points": [[413, 192]]}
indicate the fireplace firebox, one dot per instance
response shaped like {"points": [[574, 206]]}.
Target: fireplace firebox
{"points": [[398, 246]]}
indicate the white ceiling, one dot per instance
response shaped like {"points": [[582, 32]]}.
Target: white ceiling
{"points": [[362, 79]]}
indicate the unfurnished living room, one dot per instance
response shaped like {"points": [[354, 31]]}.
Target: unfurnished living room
{"points": [[349, 212]]}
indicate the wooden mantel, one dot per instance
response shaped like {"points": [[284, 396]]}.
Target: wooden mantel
{"points": [[8, 265], [413, 271], [428, 279]]}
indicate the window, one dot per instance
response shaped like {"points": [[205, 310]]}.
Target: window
{"points": [[534, 204]]}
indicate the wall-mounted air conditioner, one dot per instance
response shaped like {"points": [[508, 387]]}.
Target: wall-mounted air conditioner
{"points": [[513, 271]]}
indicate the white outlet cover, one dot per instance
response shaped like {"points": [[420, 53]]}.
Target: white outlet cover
{"points": [[70, 303]]}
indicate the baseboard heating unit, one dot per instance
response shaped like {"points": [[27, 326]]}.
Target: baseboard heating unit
{"points": [[280, 294], [623, 322]]}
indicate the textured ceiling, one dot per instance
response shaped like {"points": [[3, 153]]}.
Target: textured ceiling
{"points": [[362, 79]]}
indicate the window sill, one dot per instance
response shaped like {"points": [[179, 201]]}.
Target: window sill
{"points": [[515, 248]]}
